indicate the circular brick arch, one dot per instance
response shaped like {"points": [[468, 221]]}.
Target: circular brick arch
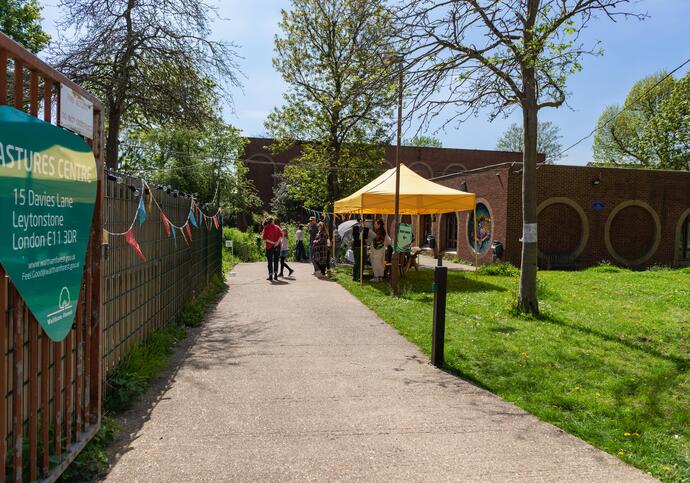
{"points": [[566, 224], [423, 169], [633, 232], [679, 235], [454, 168]]}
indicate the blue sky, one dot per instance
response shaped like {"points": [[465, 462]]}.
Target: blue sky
{"points": [[632, 49]]}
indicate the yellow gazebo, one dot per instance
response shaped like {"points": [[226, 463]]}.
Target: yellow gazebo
{"points": [[418, 196]]}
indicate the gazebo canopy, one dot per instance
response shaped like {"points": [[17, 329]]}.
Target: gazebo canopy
{"points": [[418, 196]]}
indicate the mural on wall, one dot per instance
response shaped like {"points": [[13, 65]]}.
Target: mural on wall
{"points": [[483, 229]]}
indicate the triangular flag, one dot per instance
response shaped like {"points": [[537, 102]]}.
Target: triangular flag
{"points": [[142, 211], [189, 232], [129, 236], [174, 235], [166, 223], [192, 218], [215, 220], [184, 237]]}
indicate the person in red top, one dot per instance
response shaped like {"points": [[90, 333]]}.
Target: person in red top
{"points": [[271, 236]]}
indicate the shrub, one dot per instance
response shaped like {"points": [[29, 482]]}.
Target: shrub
{"points": [[143, 362], [606, 266], [245, 246], [92, 462], [499, 270]]}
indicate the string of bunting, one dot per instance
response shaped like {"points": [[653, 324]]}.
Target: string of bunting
{"points": [[325, 215], [195, 217]]}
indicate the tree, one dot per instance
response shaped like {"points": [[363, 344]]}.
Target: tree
{"points": [[497, 56], [670, 128], [21, 21], [150, 62], [424, 142], [204, 162], [333, 55], [548, 135], [283, 204], [635, 135]]}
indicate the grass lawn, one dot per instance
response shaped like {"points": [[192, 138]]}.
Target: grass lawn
{"points": [[608, 360]]}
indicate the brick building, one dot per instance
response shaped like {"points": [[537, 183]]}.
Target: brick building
{"points": [[429, 162], [631, 217]]}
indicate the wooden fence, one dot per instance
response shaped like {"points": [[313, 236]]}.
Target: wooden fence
{"points": [[141, 296], [51, 392]]}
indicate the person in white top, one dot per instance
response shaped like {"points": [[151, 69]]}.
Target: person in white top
{"points": [[300, 252], [284, 251], [377, 253]]}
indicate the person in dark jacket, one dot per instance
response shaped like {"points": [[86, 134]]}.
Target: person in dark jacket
{"points": [[359, 245]]}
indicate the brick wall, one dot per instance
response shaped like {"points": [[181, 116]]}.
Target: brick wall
{"points": [[627, 216], [429, 162]]}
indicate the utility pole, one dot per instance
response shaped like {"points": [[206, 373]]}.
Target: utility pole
{"points": [[395, 263]]}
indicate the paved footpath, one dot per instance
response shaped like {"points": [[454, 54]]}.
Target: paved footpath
{"points": [[298, 381]]}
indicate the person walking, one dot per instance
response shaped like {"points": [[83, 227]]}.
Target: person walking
{"points": [[360, 234], [377, 252], [300, 253], [313, 230], [320, 249], [271, 235], [284, 251]]}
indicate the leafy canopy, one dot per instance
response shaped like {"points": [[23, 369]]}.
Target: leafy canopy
{"points": [[423, 142], [21, 21], [334, 56], [205, 162], [548, 136], [650, 130]]}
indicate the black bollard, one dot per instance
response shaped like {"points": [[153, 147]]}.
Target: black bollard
{"points": [[438, 331]]}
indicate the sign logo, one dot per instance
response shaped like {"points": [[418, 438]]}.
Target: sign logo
{"points": [[48, 181], [598, 205]]}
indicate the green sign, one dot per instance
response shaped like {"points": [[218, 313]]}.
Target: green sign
{"points": [[404, 238], [47, 194]]}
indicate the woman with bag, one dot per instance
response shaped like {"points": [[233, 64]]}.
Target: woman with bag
{"points": [[377, 253]]}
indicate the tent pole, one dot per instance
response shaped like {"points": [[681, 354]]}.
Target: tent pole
{"points": [[361, 249], [476, 249]]}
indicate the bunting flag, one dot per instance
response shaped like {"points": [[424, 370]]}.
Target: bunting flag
{"points": [[142, 211], [215, 221], [192, 219], [189, 232], [184, 237], [174, 235], [129, 236], [166, 223]]}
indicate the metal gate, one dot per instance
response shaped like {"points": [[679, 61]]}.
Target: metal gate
{"points": [[50, 393]]}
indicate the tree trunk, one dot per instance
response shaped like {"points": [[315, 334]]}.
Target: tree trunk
{"points": [[112, 146], [528, 302]]}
